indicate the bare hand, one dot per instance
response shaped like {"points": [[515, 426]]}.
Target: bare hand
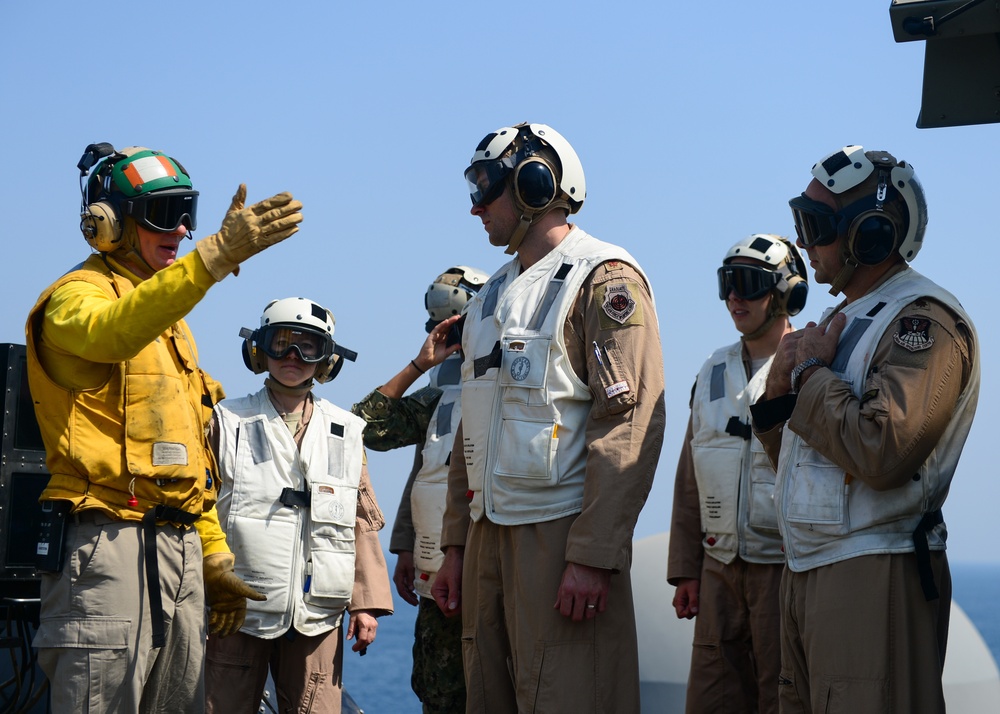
{"points": [[686, 598], [363, 625], [820, 341], [403, 577], [583, 592], [779, 377], [434, 351], [447, 588]]}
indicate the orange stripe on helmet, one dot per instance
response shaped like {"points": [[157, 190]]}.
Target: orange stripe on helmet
{"points": [[148, 168]]}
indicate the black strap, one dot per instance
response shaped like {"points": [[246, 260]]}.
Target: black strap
{"points": [[158, 513], [737, 428], [927, 523], [291, 497]]}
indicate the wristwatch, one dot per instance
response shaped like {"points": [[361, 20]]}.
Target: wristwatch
{"points": [[802, 367]]}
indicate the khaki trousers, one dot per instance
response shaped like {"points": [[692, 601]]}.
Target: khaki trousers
{"points": [[858, 636], [736, 653], [520, 654], [94, 638], [307, 671]]}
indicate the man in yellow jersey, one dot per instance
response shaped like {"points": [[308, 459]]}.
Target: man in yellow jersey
{"points": [[123, 405]]}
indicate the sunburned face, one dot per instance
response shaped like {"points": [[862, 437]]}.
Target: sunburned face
{"points": [[159, 249]]}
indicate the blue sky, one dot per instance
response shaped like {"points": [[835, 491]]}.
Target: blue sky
{"points": [[695, 124]]}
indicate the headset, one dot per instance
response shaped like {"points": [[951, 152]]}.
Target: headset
{"points": [[148, 186], [892, 219], [100, 222], [798, 282], [873, 233]]}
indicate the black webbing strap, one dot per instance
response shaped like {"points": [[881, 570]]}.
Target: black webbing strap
{"points": [[158, 513], [737, 428], [926, 524]]}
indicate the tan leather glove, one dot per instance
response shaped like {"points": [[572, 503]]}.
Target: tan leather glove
{"points": [[247, 231], [226, 594]]}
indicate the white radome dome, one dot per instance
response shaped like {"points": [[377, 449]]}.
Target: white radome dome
{"points": [[971, 677]]}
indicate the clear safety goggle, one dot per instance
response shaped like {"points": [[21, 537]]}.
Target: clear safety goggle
{"points": [[278, 341], [749, 282], [486, 180], [164, 212]]}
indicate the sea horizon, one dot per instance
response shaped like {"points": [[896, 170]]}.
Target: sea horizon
{"points": [[380, 681]]}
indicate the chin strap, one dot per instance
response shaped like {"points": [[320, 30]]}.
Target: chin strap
{"points": [[765, 326], [844, 276], [276, 386], [515, 240]]}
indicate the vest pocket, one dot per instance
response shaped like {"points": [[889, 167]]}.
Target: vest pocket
{"points": [[763, 514], [817, 496], [524, 369], [333, 512], [528, 449]]}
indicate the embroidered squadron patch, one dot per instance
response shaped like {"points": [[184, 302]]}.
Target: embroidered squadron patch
{"points": [[618, 303], [519, 369], [914, 334]]}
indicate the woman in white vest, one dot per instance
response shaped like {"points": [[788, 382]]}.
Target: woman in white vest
{"points": [[723, 492], [300, 514]]}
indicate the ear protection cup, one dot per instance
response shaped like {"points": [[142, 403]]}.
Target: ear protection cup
{"points": [[872, 237], [328, 371], [253, 357], [798, 283], [101, 227], [795, 296], [535, 183]]}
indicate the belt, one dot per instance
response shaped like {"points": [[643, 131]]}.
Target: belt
{"points": [[158, 513], [923, 553]]}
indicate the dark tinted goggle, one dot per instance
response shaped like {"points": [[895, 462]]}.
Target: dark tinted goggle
{"points": [[277, 341], [164, 212], [815, 222], [749, 282]]}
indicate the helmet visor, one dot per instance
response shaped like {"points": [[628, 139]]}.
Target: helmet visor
{"points": [[749, 282], [278, 340], [486, 180], [164, 212], [815, 222]]}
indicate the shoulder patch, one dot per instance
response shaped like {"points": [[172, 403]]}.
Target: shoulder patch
{"points": [[618, 305], [914, 334], [610, 265]]}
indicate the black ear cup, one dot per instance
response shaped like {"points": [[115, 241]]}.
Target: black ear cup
{"points": [[795, 297], [872, 237], [535, 183]]}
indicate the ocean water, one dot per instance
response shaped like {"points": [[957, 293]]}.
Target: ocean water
{"points": [[380, 681]]}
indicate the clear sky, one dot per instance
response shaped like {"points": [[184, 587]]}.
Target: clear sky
{"points": [[695, 124]]}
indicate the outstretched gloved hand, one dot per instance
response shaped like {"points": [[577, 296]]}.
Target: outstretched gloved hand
{"points": [[247, 231], [226, 594]]}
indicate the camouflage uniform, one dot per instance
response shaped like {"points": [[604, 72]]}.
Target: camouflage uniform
{"points": [[438, 677]]}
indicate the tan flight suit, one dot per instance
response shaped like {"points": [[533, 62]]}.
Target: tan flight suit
{"points": [[859, 635], [521, 654], [736, 654]]}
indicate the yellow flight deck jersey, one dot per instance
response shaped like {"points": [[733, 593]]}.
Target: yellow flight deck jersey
{"points": [[121, 402]]}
